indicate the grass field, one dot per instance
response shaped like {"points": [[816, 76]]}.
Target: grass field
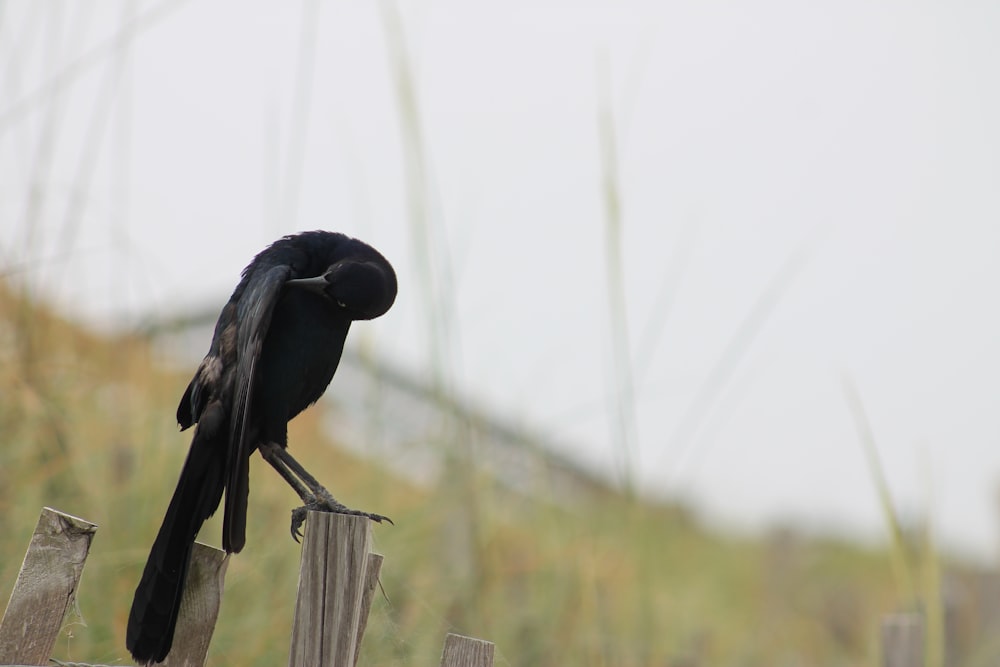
{"points": [[88, 428]]}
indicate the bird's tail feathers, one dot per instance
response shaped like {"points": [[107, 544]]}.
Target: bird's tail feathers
{"points": [[157, 600]]}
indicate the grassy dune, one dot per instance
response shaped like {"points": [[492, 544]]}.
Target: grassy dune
{"points": [[88, 428]]}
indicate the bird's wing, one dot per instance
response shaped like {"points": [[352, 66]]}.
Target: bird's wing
{"points": [[209, 379], [254, 311]]}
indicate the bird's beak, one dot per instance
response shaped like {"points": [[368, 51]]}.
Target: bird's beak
{"points": [[317, 284]]}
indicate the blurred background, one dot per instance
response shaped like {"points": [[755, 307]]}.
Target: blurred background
{"points": [[694, 357]]}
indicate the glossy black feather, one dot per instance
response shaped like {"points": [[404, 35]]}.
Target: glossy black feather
{"points": [[274, 351]]}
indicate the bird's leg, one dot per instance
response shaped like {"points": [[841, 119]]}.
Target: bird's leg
{"points": [[313, 494], [269, 453]]}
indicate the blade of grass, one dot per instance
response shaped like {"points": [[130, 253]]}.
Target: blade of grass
{"points": [[68, 74], [624, 430], [433, 267], [930, 581], [734, 352], [299, 122], [902, 567]]}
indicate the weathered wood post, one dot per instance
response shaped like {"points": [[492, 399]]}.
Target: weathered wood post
{"points": [[200, 604], [372, 571], [45, 589], [903, 640], [460, 651], [332, 582]]}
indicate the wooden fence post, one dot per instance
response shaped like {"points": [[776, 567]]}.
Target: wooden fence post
{"points": [[462, 651], [332, 581], [45, 589], [903, 640], [200, 604]]}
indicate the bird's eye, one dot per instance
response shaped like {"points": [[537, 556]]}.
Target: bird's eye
{"points": [[342, 304]]}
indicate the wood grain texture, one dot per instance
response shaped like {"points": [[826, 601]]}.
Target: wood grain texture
{"points": [[332, 579], [45, 589], [460, 651], [200, 605], [372, 571]]}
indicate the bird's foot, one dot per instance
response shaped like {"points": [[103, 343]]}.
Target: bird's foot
{"points": [[326, 503]]}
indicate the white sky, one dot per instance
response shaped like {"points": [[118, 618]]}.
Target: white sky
{"points": [[860, 136]]}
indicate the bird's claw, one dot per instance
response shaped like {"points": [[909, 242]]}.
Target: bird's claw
{"points": [[298, 518], [328, 505]]}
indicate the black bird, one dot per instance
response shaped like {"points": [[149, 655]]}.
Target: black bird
{"points": [[276, 347]]}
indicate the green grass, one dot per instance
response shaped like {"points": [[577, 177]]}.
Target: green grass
{"points": [[88, 429]]}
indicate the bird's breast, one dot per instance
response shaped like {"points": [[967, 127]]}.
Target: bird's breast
{"points": [[300, 354]]}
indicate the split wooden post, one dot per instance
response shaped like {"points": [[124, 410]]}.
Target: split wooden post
{"points": [[372, 570], [200, 604], [460, 651], [332, 580], [903, 640], [45, 589]]}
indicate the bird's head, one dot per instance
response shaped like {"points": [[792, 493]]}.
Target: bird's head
{"points": [[363, 289]]}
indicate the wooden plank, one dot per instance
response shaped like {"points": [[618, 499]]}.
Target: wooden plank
{"points": [[372, 570], [331, 587], [903, 640], [460, 651], [45, 588], [200, 604]]}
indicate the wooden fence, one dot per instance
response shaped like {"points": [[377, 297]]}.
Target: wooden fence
{"points": [[327, 628]]}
